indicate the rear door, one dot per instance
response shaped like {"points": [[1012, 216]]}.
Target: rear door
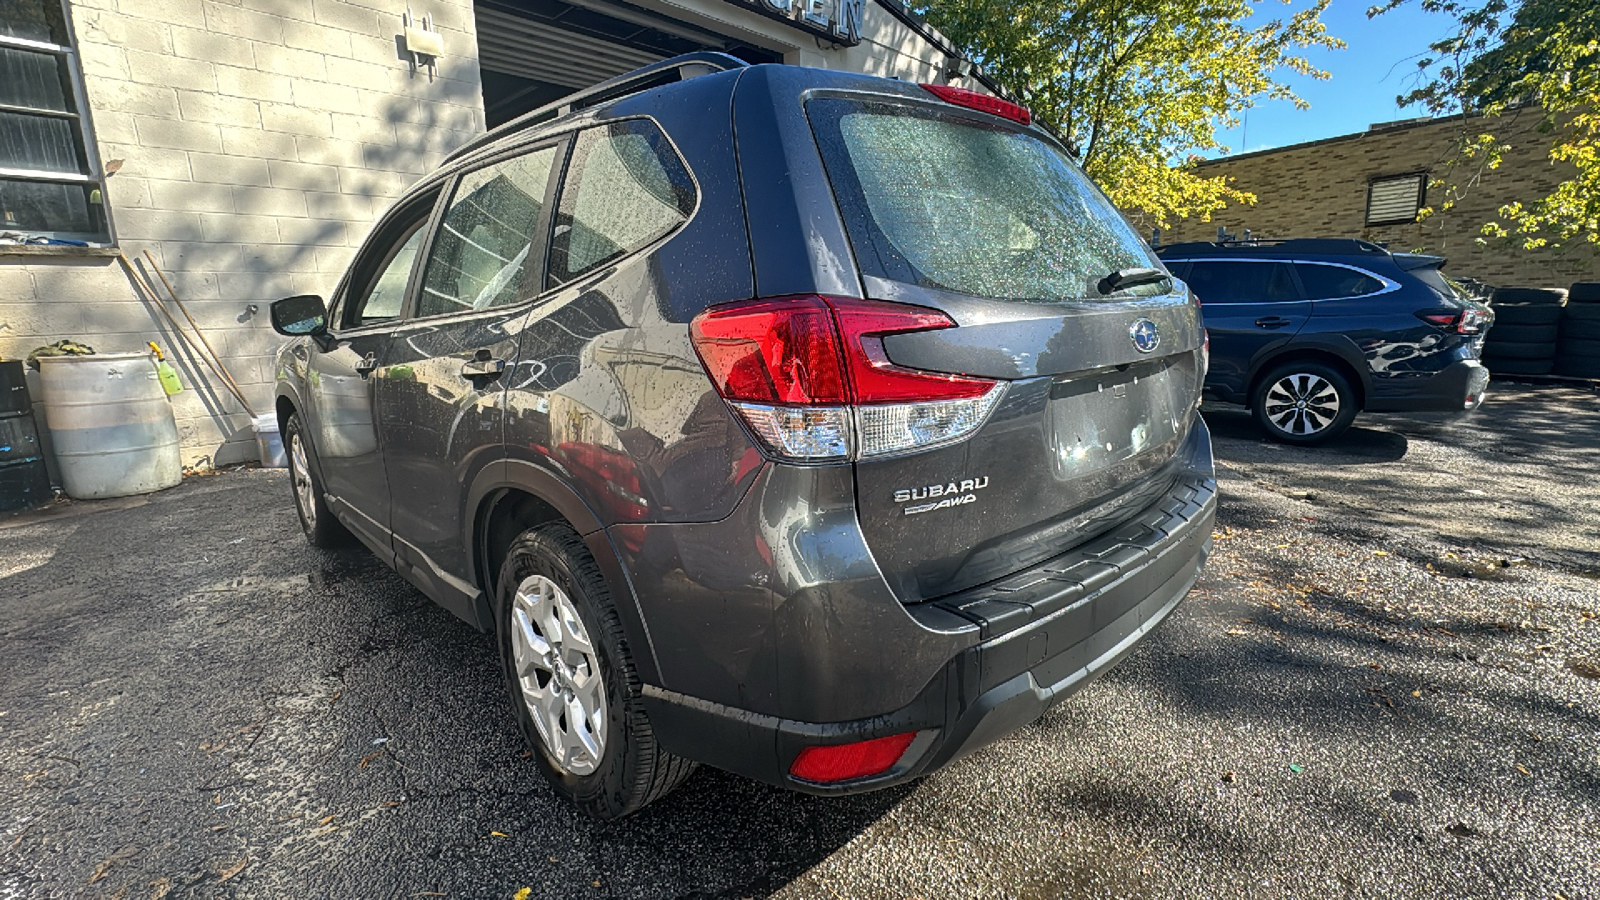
{"points": [[1251, 308], [442, 382], [998, 229]]}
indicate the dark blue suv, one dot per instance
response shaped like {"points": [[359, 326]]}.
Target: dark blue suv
{"points": [[1306, 333]]}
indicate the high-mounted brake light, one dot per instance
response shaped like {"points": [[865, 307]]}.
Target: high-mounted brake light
{"points": [[810, 376], [981, 102]]}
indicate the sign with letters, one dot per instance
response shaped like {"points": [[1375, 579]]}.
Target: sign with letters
{"points": [[835, 20]]}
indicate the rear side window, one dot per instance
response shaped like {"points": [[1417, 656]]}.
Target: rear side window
{"points": [[488, 251], [945, 201], [1242, 282], [1332, 282], [625, 189]]}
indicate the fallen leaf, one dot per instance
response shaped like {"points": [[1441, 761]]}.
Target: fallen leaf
{"points": [[326, 819], [498, 834], [1237, 631], [1523, 769], [1584, 668], [233, 870], [1416, 693], [596, 882], [1380, 553], [111, 862], [1229, 778], [522, 894], [367, 760]]}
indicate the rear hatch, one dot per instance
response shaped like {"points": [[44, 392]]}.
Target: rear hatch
{"points": [[993, 225]]}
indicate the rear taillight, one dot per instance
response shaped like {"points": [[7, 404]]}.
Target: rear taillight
{"points": [[846, 762], [980, 102], [809, 375], [1464, 321]]}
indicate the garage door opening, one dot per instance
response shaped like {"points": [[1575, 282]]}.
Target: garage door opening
{"points": [[537, 51]]}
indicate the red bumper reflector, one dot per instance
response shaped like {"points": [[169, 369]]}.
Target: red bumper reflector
{"points": [[843, 762]]}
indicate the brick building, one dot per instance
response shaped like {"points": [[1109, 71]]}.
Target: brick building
{"points": [[1370, 185], [249, 144]]}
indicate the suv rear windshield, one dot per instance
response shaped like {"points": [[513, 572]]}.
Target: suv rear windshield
{"points": [[934, 198]]}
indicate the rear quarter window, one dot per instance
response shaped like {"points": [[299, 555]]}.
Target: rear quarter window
{"points": [[942, 200], [625, 189], [1323, 282]]}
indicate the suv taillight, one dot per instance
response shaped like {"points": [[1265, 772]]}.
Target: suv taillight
{"points": [[1466, 321], [809, 375]]}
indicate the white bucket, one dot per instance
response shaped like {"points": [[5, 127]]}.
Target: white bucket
{"points": [[111, 424], [268, 443]]}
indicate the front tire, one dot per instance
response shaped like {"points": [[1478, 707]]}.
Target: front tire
{"points": [[572, 681], [1304, 403], [321, 527]]}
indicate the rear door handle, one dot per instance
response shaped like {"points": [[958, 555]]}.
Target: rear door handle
{"points": [[483, 368], [1273, 322]]}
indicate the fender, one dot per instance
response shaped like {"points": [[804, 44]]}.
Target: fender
{"points": [[545, 484], [1333, 344]]}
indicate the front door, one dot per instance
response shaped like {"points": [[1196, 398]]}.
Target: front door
{"points": [[342, 380], [1250, 308], [442, 386]]}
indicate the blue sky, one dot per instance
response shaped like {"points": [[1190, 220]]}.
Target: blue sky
{"points": [[1376, 66]]}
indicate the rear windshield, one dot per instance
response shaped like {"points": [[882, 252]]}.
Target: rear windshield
{"points": [[942, 200]]}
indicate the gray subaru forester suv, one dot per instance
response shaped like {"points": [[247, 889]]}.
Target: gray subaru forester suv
{"points": [[818, 427]]}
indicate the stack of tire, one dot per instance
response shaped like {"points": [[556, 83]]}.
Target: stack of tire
{"points": [[1578, 349], [1526, 323]]}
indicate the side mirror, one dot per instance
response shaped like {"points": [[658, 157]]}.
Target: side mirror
{"points": [[299, 315]]}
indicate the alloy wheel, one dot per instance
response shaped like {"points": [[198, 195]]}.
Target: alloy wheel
{"points": [[559, 674], [1302, 404], [304, 493]]}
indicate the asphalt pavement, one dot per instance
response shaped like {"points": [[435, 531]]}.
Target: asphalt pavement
{"points": [[1387, 684]]}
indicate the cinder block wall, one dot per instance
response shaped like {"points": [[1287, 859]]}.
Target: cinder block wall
{"points": [[1320, 190], [259, 140]]}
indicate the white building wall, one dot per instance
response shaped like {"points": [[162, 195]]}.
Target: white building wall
{"points": [[259, 140]]}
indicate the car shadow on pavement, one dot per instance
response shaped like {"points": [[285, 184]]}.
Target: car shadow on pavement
{"points": [[1357, 446]]}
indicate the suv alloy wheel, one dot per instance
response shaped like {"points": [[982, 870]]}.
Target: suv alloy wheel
{"points": [[1304, 402]]}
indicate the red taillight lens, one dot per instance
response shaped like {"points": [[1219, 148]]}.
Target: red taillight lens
{"points": [[980, 102], [1466, 321], [810, 376], [772, 351], [873, 378], [844, 762]]}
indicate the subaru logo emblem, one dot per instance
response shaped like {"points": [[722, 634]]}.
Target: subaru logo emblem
{"points": [[1145, 335]]}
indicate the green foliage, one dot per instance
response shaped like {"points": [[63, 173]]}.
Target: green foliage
{"points": [[1511, 58], [1138, 83]]}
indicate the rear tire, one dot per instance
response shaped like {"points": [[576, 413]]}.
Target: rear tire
{"points": [[559, 633], [318, 522], [1304, 402]]}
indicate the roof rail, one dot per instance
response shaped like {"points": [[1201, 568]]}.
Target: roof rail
{"points": [[678, 68], [1347, 246]]}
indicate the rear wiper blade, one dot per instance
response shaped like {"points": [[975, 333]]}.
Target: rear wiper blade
{"points": [[1126, 278]]}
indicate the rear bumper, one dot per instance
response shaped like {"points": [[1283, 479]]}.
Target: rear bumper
{"points": [[1450, 393], [1044, 634]]}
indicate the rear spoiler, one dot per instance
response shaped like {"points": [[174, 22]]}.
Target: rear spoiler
{"points": [[1409, 261]]}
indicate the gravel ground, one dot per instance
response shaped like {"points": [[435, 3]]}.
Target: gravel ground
{"points": [[1387, 684]]}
